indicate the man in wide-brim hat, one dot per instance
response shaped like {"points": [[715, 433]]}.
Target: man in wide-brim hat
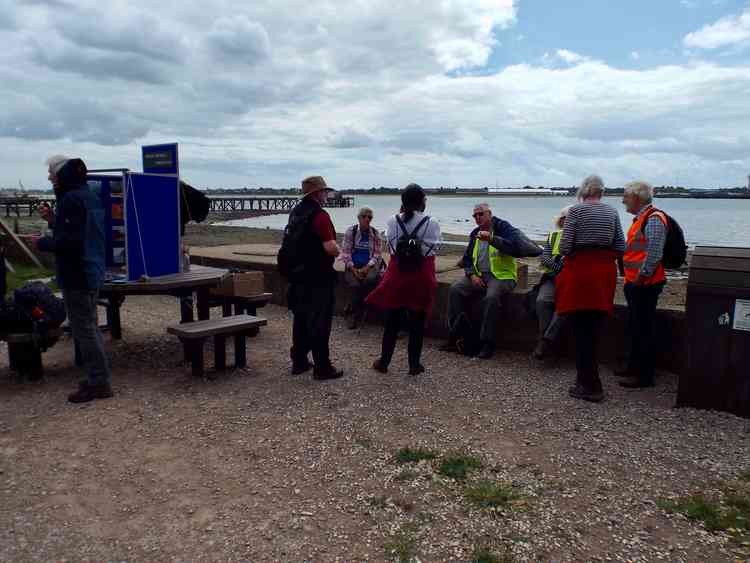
{"points": [[312, 280]]}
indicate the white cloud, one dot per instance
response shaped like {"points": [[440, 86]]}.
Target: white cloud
{"points": [[367, 93], [731, 30], [635, 55]]}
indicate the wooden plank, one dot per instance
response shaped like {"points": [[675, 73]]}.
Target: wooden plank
{"points": [[20, 244], [720, 263], [212, 327]]}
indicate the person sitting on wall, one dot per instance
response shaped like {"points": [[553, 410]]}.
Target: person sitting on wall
{"points": [[550, 323], [644, 280], [489, 273], [78, 243], [363, 262]]}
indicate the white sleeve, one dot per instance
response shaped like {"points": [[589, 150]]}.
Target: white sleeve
{"points": [[391, 234], [433, 238]]}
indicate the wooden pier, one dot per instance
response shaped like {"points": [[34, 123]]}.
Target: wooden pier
{"points": [[28, 205]]}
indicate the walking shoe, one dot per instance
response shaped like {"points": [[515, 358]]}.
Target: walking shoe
{"points": [[416, 370], [579, 392], [88, 393], [298, 369], [635, 383], [378, 365], [487, 351], [329, 373], [450, 346], [353, 322]]}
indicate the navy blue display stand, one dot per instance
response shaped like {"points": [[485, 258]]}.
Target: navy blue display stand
{"points": [[152, 225]]}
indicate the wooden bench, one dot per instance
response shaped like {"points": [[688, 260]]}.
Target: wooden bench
{"points": [[194, 335], [25, 351], [242, 305]]}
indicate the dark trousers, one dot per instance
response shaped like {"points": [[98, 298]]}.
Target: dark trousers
{"points": [[587, 326], [415, 322], [313, 312], [642, 301]]}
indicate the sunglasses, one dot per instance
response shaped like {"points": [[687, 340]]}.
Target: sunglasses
{"points": [[365, 216], [480, 214]]}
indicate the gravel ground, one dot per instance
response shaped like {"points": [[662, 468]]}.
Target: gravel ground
{"points": [[258, 465]]}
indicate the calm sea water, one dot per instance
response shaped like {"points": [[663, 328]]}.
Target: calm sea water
{"points": [[705, 221]]}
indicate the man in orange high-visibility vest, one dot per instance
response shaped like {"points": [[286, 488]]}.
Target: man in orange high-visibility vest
{"points": [[644, 280]]}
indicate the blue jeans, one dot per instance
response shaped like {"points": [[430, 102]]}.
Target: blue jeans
{"points": [[80, 305]]}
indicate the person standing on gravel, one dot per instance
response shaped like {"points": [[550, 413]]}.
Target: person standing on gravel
{"points": [[78, 242], [591, 243], [306, 258], [644, 280]]}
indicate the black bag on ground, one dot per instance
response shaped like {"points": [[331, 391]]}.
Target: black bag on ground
{"points": [[675, 249], [289, 260], [467, 338], [37, 295], [409, 247]]}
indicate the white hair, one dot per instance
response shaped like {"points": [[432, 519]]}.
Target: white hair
{"points": [[364, 211], [642, 190], [482, 206], [562, 215], [592, 186], [56, 162]]}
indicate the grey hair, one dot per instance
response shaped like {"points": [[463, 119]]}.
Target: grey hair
{"points": [[642, 190], [56, 161], [482, 206], [562, 215], [363, 210], [592, 186]]}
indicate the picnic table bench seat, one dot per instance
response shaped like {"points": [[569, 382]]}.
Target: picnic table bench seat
{"points": [[194, 334]]}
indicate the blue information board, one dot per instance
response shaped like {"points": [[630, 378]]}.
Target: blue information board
{"points": [[152, 225], [160, 159]]}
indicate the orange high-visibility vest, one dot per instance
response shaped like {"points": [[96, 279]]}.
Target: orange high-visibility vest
{"points": [[635, 253]]}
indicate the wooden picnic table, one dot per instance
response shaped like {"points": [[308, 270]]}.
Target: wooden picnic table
{"points": [[199, 280]]}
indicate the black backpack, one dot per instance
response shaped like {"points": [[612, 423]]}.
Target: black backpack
{"points": [[290, 259], [675, 249], [409, 247], [37, 295]]}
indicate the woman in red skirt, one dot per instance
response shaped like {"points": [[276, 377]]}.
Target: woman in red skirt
{"points": [[591, 242], [407, 290]]}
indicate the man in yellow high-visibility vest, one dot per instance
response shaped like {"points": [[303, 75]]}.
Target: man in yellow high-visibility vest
{"points": [[489, 273]]}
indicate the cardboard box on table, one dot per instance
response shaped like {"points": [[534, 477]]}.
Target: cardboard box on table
{"points": [[243, 284]]}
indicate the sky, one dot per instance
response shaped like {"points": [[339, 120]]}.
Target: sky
{"points": [[367, 93]]}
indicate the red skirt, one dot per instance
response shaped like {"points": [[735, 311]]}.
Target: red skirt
{"points": [[587, 282], [406, 290]]}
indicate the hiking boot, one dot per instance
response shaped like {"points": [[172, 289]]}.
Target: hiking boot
{"points": [[635, 383], [487, 351], [378, 365], [416, 370], [353, 322], [449, 346], [580, 392], [301, 368], [88, 393], [328, 373]]}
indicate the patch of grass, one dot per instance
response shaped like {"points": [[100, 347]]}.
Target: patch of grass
{"points": [[715, 518], [406, 475], [413, 455], [744, 476], [486, 555], [25, 273], [378, 501], [457, 466], [403, 544], [488, 494]]}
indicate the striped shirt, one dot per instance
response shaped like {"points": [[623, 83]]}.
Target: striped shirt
{"points": [[592, 224]]}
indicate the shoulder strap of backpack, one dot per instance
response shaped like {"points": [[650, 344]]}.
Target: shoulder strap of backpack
{"points": [[654, 211], [419, 226], [402, 226], [354, 234]]}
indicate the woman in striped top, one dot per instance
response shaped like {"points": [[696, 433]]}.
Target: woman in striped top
{"points": [[591, 243]]}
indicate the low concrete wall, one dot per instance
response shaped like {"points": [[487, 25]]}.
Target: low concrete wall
{"points": [[516, 330]]}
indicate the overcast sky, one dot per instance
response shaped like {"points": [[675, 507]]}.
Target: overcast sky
{"points": [[369, 92]]}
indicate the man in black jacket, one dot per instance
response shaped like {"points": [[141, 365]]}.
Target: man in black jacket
{"points": [[79, 246], [489, 273], [312, 281]]}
